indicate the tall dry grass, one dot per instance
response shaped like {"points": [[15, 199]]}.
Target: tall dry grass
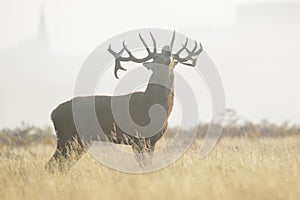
{"points": [[265, 168]]}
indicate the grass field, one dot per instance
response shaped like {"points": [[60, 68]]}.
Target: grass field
{"points": [[266, 168]]}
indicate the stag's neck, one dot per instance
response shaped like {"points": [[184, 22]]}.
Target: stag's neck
{"points": [[158, 94]]}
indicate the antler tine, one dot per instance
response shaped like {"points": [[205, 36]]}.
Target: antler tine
{"points": [[119, 58], [191, 54], [127, 50], [200, 49], [134, 59], [172, 41], [117, 67], [154, 43], [115, 54], [145, 44], [183, 47], [195, 47]]}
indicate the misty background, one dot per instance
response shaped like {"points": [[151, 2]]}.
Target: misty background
{"points": [[254, 45]]}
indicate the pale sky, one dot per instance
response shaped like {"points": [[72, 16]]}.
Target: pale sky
{"points": [[253, 43]]}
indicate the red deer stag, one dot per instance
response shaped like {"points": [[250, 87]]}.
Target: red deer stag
{"points": [[68, 141]]}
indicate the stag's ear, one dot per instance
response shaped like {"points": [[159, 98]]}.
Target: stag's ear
{"points": [[148, 65]]}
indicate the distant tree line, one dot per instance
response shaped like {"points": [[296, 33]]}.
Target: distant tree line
{"points": [[234, 126], [252, 130], [28, 134]]}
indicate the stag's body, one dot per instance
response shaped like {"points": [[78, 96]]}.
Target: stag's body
{"points": [[159, 90]]}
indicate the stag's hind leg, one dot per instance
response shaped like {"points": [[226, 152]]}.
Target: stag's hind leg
{"points": [[67, 153]]}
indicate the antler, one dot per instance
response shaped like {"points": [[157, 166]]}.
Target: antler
{"points": [[119, 58], [192, 55]]}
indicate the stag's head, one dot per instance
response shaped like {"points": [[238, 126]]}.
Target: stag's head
{"points": [[154, 60]]}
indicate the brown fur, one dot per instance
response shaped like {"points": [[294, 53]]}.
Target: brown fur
{"points": [[70, 146]]}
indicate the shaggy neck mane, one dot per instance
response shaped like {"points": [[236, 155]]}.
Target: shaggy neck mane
{"points": [[158, 94]]}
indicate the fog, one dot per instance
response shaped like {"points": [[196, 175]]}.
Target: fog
{"points": [[254, 45]]}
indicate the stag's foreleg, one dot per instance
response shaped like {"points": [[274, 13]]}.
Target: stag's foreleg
{"points": [[143, 149]]}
